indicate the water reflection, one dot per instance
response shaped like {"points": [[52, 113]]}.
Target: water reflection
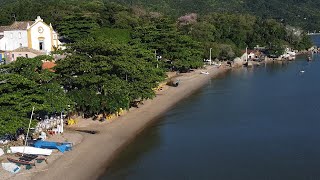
{"points": [[145, 142]]}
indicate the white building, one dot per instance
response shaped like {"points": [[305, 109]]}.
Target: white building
{"points": [[31, 34]]}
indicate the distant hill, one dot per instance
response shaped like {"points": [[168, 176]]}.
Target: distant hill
{"points": [[302, 13]]}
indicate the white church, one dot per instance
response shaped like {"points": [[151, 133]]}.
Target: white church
{"points": [[33, 36]]}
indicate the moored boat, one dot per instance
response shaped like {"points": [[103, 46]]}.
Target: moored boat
{"points": [[309, 58]]}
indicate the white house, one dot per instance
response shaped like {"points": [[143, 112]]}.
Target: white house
{"points": [[248, 55], [35, 35]]}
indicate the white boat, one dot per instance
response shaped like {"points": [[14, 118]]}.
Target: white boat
{"points": [[291, 53], [30, 150], [1, 152], [11, 167], [202, 72]]}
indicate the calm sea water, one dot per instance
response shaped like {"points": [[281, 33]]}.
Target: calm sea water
{"points": [[249, 124]]}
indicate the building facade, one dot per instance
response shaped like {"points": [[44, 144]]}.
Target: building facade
{"points": [[22, 52], [35, 35]]}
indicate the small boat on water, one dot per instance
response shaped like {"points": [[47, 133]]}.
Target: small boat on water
{"points": [[309, 58], [302, 71]]}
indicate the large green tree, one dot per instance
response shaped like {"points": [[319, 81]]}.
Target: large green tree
{"points": [[103, 76], [163, 37], [23, 85]]}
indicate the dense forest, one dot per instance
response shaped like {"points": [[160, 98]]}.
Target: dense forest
{"points": [[113, 52], [302, 13]]}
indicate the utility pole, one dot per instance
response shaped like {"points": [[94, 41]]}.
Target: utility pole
{"points": [[155, 53], [247, 54], [26, 139], [210, 56]]}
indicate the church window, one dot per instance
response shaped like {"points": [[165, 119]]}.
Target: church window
{"points": [[20, 44], [19, 35], [11, 35], [26, 55]]}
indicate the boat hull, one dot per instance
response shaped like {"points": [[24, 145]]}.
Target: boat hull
{"points": [[31, 150]]}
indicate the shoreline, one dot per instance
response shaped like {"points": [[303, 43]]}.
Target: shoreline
{"points": [[90, 158]]}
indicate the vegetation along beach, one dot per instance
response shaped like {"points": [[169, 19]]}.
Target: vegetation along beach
{"points": [[81, 81]]}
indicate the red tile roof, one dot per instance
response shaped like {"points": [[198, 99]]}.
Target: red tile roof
{"points": [[17, 25], [26, 49], [48, 65]]}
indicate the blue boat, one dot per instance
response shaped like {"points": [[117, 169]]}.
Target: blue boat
{"points": [[62, 147]]}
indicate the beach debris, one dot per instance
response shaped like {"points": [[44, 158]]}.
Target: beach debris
{"points": [[102, 119], [88, 131], [174, 82], [31, 150], [4, 141], [62, 147], [11, 167], [1, 152], [71, 122], [43, 135]]}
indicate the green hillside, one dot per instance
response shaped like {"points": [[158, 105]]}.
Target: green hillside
{"points": [[302, 13]]}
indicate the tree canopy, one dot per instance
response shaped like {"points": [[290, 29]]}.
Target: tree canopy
{"points": [[112, 75], [24, 84]]}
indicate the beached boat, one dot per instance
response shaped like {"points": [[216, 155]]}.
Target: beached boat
{"points": [[31, 150], [11, 167], [21, 162], [202, 72], [30, 157], [62, 147], [1, 152]]}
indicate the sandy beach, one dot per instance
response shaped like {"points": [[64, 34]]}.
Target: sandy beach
{"points": [[90, 158]]}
